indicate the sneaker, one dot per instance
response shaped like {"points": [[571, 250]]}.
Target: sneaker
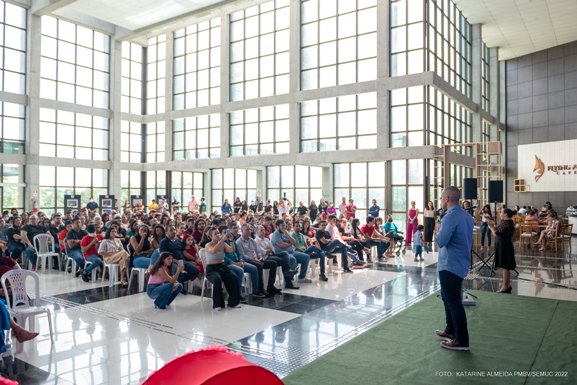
{"points": [[422, 259], [323, 278], [441, 334], [78, 272], [235, 307], [416, 259], [218, 308], [291, 286], [452, 345], [258, 295], [85, 277], [305, 280], [347, 270], [242, 300]]}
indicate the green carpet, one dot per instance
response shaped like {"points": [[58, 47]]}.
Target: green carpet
{"points": [[509, 336]]}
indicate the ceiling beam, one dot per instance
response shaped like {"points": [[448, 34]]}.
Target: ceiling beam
{"points": [[46, 7]]}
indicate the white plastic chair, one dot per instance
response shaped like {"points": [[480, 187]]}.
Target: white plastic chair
{"points": [[141, 277], [112, 272], [44, 246], [205, 282], [20, 307]]}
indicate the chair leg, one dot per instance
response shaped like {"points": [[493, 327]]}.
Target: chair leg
{"points": [[50, 325]]}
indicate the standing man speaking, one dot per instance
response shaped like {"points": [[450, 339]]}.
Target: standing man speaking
{"points": [[455, 238]]}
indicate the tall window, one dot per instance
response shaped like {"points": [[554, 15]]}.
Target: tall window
{"points": [[66, 134], [408, 116], [12, 48], [296, 183], [338, 42], [156, 75], [342, 123], [407, 37], [197, 65], [55, 182], [12, 189], [229, 183], [12, 128], [449, 122], [408, 180], [130, 141], [362, 182], [75, 64], [155, 184], [485, 78], [185, 185], [155, 143], [259, 50], [262, 130], [130, 184], [449, 44], [131, 89], [197, 137]]}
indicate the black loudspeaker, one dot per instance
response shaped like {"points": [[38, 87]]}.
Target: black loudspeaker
{"points": [[495, 191], [469, 188]]}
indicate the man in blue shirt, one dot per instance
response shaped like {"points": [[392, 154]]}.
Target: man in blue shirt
{"points": [[455, 238], [374, 209]]}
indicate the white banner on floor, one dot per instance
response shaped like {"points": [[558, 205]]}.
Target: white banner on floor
{"points": [[550, 166]]}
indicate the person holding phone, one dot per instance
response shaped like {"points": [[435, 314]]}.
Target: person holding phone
{"points": [[163, 287]]}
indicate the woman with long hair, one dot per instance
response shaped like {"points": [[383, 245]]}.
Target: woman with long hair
{"points": [[140, 247], [504, 250], [218, 273], [157, 235], [486, 218], [163, 287], [429, 215], [113, 252]]}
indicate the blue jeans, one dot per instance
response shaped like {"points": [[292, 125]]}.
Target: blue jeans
{"points": [[315, 253], [382, 246], [485, 230], [163, 294], [16, 249], [141, 261], [337, 247], [248, 268], [455, 316], [77, 255], [154, 256], [303, 259], [96, 261]]}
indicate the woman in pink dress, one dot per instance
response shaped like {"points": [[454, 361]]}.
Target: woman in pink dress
{"points": [[412, 222]]}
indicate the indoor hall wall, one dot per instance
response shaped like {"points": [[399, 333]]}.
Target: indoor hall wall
{"points": [[541, 107]]}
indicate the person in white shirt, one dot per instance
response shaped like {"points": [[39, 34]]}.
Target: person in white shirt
{"points": [[283, 259]]}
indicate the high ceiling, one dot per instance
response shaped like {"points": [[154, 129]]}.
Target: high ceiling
{"points": [[521, 27], [516, 27]]}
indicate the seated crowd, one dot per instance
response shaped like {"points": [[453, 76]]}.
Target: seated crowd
{"points": [[264, 237]]}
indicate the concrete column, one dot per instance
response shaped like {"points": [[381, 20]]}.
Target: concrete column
{"points": [[32, 143], [383, 71], [294, 111], [207, 190], [261, 184], [477, 50], [114, 137], [224, 86], [494, 81], [328, 184], [168, 98]]}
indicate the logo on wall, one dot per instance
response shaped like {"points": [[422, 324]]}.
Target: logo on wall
{"points": [[538, 169]]}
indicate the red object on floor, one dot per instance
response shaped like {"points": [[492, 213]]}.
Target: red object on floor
{"points": [[5, 381], [212, 366]]}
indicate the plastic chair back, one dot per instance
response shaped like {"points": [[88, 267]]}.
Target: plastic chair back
{"points": [[17, 280], [44, 244]]}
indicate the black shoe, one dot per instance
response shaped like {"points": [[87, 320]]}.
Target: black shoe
{"points": [[323, 278], [269, 294], [274, 290], [78, 272], [291, 286], [85, 277], [258, 295], [241, 300]]}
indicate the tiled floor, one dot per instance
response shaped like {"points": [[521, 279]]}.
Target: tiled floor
{"points": [[114, 336]]}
